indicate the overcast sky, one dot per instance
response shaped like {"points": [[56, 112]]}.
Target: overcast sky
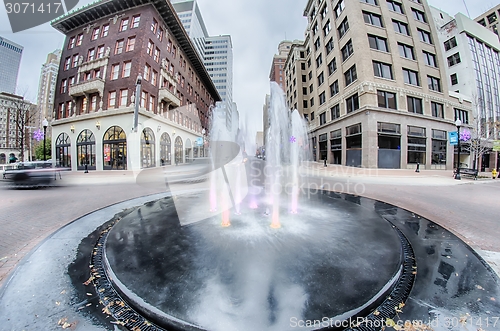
{"points": [[256, 28]]}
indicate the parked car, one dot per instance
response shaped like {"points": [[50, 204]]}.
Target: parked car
{"points": [[36, 173]]}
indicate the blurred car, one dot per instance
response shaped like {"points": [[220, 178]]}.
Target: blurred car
{"points": [[36, 173]]}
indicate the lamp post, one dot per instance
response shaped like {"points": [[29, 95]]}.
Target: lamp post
{"points": [[45, 124], [458, 123]]}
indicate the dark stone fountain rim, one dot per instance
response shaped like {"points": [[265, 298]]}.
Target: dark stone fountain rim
{"points": [[135, 314]]}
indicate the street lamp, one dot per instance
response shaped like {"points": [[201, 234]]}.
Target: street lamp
{"points": [[458, 124], [45, 124]]}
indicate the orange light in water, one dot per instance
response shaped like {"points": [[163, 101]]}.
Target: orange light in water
{"points": [[275, 224], [225, 219]]}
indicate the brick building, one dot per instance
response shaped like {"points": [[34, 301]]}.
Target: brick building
{"points": [[108, 46]]}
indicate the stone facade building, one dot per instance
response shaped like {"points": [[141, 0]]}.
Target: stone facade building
{"points": [[110, 47], [370, 81]]}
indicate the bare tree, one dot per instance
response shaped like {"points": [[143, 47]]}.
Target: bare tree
{"points": [[23, 114], [483, 131]]}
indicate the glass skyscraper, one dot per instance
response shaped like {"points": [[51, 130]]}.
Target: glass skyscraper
{"points": [[10, 59]]}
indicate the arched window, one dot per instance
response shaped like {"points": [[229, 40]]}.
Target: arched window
{"points": [[148, 149], [3, 158], [187, 151], [115, 149], [63, 151], [165, 149], [178, 150], [85, 150]]}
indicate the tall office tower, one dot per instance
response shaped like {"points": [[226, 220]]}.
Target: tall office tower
{"points": [[120, 59], [490, 19], [472, 62], [47, 87], [10, 59], [372, 87], [216, 51]]}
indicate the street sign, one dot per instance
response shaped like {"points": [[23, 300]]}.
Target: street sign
{"points": [[199, 141], [496, 145], [453, 137]]}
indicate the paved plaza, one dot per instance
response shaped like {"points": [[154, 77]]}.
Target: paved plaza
{"points": [[467, 208]]}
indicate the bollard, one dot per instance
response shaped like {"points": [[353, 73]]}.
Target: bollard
{"points": [[418, 167], [325, 161], [494, 173]]}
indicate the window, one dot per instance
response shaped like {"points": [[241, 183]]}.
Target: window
{"points": [[335, 112], [454, 59], [326, 28], [130, 44], [492, 18], [112, 99], [372, 18], [91, 54], [100, 51], [371, 2], [315, 28], [378, 43], [430, 59], [454, 79], [124, 24], [311, 88], [332, 66], [386, 99], [350, 75], [151, 103], [119, 46], [93, 103], [339, 8], [323, 12], [126, 69], [156, 55], [67, 63], [414, 105], [79, 39], [64, 84], [329, 46], [322, 118], [105, 30], [410, 77], [135, 21], [434, 83], [304, 103], [416, 144], [95, 34], [334, 88], [319, 61], [147, 72], [424, 36], [343, 27], [311, 102], [406, 51], [71, 42], [154, 77], [419, 15], [150, 47], [74, 61], [304, 79], [304, 90], [401, 27], [123, 98], [317, 44], [417, 1], [438, 147], [352, 103], [437, 109], [159, 34], [383, 70], [144, 99], [312, 114], [347, 50], [322, 98], [115, 69], [463, 115], [321, 79], [450, 43], [395, 6], [154, 26]]}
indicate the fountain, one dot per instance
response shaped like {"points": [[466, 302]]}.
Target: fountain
{"points": [[232, 256]]}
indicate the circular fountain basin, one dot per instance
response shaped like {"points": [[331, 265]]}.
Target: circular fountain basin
{"points": [[332, 260]]}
